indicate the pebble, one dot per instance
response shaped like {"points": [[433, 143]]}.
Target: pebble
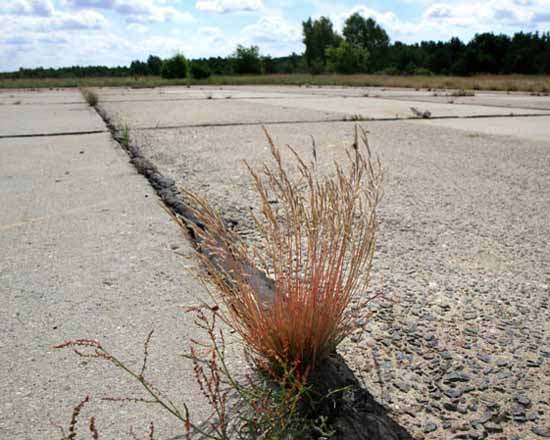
{"points": [[457, 377], [402, 386], [429, 427], [493, 427], [541, 432]]}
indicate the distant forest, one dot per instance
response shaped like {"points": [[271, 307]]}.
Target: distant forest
{"points": [[363, 47]]}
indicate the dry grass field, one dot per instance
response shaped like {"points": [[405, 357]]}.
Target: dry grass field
{"points": [[507, 83]]}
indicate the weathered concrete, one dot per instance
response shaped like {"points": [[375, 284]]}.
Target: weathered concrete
{"points": [[376, 108], [208, 112], [192, 93], [536, 129], [40, 96], [32, 119], [87, 252], [502, 100], [462, 251]]}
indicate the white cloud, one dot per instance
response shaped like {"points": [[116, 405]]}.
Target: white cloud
{"points": [[87, 19], [272, 29], [229, 6], [137, 27], [492, 15], [40, 8], [136, 11]]}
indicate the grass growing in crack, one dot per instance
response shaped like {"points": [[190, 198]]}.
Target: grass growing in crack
{"points": [[125, 136], [317, 248], [462, 92], [90, 97], [249, 407]]}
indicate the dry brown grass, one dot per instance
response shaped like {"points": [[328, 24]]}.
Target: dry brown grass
{"points": [[91, 97], [316, 246], [510, 83]]}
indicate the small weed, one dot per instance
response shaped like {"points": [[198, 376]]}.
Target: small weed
{"points": [[125, 136], [462, 92], [91, 98], [426, 114]]}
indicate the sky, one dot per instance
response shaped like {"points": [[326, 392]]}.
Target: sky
{"points": [[55, 33]]}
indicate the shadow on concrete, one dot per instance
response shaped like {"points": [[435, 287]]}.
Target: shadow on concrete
{"points": [[353, 413]]}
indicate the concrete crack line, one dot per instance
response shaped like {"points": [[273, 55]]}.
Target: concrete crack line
{"points": [[64, 133], [343, 119]]}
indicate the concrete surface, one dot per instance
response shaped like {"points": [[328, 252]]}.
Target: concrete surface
{"points": [[208, 112], [87, 252], [33, 119], [376, 108], [40, 96], [534, 128], [502, 100], [463, 248], [462, 251]]}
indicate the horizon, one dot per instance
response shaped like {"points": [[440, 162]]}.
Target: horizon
{"points": [[58, 33]]}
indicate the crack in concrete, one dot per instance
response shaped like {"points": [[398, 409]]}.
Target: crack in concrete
{"points": [[360, 416], [347, 118], [63, 133]]}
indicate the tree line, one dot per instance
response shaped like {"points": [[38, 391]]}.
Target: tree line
{"points": [[362, 47]]}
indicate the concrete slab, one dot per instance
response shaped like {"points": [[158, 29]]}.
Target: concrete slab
{"points": [[184, 93], [502, 100], [462, 248], [32, 119], [533, 128], [40, 96], [376, 108], [210, 112], [90, 256]]}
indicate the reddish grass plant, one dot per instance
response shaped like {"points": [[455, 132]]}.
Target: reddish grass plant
{"points": [[316, 245]]}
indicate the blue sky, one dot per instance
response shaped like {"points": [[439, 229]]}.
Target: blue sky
{"points": [[53, 33]]}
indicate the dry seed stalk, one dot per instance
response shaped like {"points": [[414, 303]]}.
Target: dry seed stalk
{"points": [[318, 249]]}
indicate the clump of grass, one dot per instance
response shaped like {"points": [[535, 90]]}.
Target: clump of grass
{"points": [[125, 136], [463, 92], [316, 247], [90, 97]]}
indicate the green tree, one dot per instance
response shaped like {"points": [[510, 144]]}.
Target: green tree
{"points": [[175, 67], [319, 35], [247, 60], [200, 70], [366, 33], [155, 64], [347, 58], [268, 64], [139, 68]]}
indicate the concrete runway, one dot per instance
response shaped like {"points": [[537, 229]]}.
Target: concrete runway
{"points": [[463, 246], [88, 251]]}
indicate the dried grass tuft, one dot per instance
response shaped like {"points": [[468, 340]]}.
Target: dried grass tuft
{"points": [[316, 249], [91, 97]]}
